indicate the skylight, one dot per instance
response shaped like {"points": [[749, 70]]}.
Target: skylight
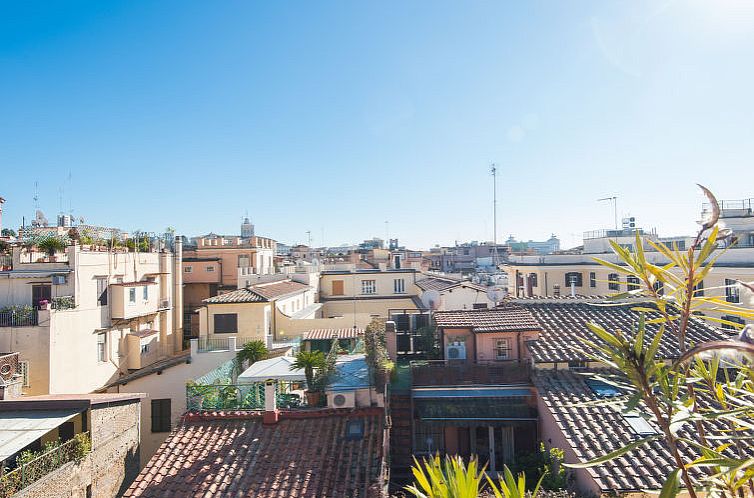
{"points": [[640, 426], [355, 429], [602, 389]]}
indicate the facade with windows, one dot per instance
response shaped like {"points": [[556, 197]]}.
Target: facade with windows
{"points": [[110, 311]]}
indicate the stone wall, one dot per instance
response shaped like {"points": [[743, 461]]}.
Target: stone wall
{"points": [[109, 468]]}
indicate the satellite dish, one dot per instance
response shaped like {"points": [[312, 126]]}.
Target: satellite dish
{"points": [[496, 294], [431, 299]]}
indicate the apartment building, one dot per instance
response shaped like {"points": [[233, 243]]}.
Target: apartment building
{"points": [[106, 311], [517, 375], [576, 272], [467, 257], [212, 264], [368, 293]]}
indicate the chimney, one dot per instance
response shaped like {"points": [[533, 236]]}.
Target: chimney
{"points": [[271, 412]]}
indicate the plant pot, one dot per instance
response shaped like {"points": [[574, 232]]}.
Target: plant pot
{"points": [[313, 398]]}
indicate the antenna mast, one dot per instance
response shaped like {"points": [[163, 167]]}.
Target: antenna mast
{"points": [[614, 200], [493, 170]]}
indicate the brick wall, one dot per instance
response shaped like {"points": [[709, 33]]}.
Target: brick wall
{"points": [[109, 468]]}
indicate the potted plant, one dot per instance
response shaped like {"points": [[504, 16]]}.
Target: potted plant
{"points": [[250, 353], [308, 361], [51, 246]]}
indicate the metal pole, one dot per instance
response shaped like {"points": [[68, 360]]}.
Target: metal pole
{"points": [[494, 214]]}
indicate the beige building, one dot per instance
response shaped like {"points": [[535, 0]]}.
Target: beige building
{"points": [[577, 273], [84, 317], [366, 294]]}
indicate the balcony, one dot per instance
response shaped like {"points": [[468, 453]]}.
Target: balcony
{"points": [[134, 299], [19, 316], [426, 373]]}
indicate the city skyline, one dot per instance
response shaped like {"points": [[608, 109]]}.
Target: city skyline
{"points": [[338, 117]]}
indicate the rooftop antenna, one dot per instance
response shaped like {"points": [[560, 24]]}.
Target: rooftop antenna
{"points": [[36, 195], [387, 232], [493, 170], [309, 237], [614, 200]]}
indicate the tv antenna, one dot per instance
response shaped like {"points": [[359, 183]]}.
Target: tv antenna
{"points": [[614, 200], [36, 195], [493, 170]]}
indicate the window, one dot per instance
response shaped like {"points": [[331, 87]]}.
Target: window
{"points": [[733, 321], [102, 347], [639, 425], [533, 279], [502, 349], [145, 348], [368, 286], [337, 288], [399, 286], [132, 295], [355, 430], [576, 364], [659, 287], [226, 323], [613, 281], [602, 389], [23, 369], [633, 282], [699, 289], [210, 268], [428, 439], [732, 292], [592, 279], [102, 292], [187, 269], [145, 293], [161, 415], [573, 277], [479, 306]]}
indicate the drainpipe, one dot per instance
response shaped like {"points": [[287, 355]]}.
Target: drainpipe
{"points": [[177, 294]]}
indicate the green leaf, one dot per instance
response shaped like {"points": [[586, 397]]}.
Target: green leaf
{"points": [[672, 485]]}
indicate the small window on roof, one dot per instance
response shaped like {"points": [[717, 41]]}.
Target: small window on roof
{"points": [[602, 389], [355, 429], [639, 425]]}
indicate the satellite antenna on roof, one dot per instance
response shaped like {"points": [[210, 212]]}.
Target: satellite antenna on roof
{"points": [[496, 294], [431, 299]]}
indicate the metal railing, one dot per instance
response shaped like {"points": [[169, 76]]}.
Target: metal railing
{"points": [[29, 472], [19, 317], [6, 261], [208, 344], [461, 372], [289, 396]]}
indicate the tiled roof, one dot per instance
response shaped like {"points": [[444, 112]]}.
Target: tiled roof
{"points": [[563, 326], [259, 293], [594, 431], [236, 296], [324, 334], [501, 319], [278, 289], [444, 283], [240, 457]]}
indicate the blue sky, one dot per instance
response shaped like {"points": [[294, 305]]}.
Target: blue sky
{"points": [[337, 116]]}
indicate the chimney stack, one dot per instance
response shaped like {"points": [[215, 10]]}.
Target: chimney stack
{"points": [[271, 412]]}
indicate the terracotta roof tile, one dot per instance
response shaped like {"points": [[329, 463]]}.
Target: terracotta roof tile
{"points": [[505, 318], [259, 293], [237, 456], [593, 431]]}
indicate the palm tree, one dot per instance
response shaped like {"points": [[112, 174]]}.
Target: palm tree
{"points": [[251, 352], [51, 245], [308, 361]]}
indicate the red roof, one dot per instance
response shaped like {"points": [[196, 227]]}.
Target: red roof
{"points": [[501, 319], [238, 456]]}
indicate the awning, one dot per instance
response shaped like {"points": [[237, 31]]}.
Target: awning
{"points": [[21, 428], [274, 368], [474, 411]]}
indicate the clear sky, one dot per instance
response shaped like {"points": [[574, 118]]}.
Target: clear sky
{"points": [[335, 117]]}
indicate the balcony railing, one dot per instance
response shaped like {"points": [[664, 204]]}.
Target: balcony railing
{"points": [[19, 316], [289, 396], [29, 472], [6, 262], [460, 372]]}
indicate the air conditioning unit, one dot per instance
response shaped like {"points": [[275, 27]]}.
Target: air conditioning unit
{"points": [[341, 399], [58, 280], [455, 351], [165, 303]]}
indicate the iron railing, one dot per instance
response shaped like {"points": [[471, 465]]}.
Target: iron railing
{"points": [[208, 344], [289, 396], [25, 316], [461, 372], [29, 472]]}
